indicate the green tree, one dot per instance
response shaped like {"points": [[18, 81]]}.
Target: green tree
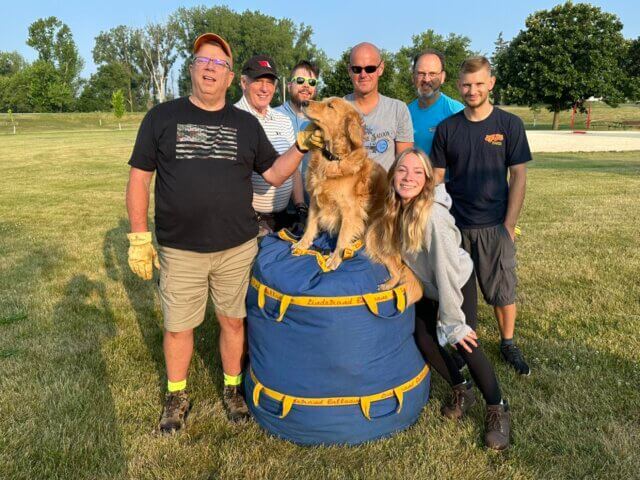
{"points": [[118, 106], [631, 67], [59, 65], [455, 49], [500, 50], [563, 57], [122, 45], [97, 93], [249, 33], [11, 63]]}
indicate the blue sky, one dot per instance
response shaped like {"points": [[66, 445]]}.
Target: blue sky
{"points": [[336, 24]]}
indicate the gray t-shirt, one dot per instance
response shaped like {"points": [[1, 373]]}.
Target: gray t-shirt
{"points": [[387, 123]]}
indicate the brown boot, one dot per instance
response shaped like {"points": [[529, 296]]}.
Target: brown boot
{"points": [[234, 404], [175, 412], [498, 426], [462, 399]]}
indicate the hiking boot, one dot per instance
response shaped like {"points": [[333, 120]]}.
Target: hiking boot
{"points": [[462, 399], [497, 426], [234, 404], [175, 411], [513, 356]]}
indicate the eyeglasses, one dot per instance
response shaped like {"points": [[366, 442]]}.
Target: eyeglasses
{"points": [[421, 75], [218, 63], [368, 69], [301, 80]]}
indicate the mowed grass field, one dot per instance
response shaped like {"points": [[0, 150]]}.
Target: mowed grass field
{"points": [[604, 117], [82, 372]]}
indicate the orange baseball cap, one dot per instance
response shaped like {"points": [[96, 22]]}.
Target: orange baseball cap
{"points": [[212, 37]]}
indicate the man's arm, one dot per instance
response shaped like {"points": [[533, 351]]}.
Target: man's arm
{"points": [[517, 187], [402, 146], [298, 188], [283, 167], [138, 190], [438, 175]]}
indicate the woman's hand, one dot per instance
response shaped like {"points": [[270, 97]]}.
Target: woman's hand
{"points": [[468, 341]]}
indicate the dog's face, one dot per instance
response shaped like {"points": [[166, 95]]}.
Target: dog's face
{"points": [[339, 121]]}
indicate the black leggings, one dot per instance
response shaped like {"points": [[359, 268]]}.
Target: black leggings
{"points": [[479, 366]]}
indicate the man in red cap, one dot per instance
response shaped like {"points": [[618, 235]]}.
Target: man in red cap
{"points": [[204, 152]]}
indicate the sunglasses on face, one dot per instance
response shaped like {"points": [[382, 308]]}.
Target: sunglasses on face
{"points": [[368, 69], [301, 81], [218, 63]]}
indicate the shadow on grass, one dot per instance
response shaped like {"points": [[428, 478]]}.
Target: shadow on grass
{"points": [[142, 297], [81, 406]]}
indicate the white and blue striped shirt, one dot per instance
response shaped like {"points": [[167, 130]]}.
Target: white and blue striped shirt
{"points": [[279, 131]]}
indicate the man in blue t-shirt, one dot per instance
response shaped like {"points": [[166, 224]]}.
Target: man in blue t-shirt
{"points": [[432, 106], [480, 146]]}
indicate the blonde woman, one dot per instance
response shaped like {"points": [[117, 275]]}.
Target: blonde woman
{"points": [[417, 223]]}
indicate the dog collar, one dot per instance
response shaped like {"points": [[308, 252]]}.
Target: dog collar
{"points": [[329, 156]]}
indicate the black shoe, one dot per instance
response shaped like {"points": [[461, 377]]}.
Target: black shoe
{"points": [[462, 399], [513, 355], [497, 426], [234, 404], [175, 411]]}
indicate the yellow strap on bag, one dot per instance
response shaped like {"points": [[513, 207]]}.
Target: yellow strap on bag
{"points": [[348, 252], [365, 402], [371, 300]]}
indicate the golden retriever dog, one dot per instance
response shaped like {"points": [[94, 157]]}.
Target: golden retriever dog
{"points": [[347, 190]]}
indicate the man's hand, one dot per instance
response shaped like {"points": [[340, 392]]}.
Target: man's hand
{"points": [[511, 230], [142, 255], [310, 137]]}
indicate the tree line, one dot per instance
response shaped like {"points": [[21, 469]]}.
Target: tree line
{"points": [[562, 57]]}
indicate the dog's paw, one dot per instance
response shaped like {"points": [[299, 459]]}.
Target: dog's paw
{"points": [[302, 245], [334, 261], [389, 284]]}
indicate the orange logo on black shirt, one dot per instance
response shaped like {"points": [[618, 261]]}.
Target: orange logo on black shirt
{"points": [[494, 139]]}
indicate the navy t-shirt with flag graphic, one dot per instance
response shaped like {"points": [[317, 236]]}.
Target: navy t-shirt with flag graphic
{"points": [[203, 162], [478, 156]]}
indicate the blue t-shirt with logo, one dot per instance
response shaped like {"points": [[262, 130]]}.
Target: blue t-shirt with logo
{"points": [[478, 156], [425, 120]]}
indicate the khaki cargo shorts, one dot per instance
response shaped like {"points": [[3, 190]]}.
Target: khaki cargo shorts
{"points": [[187, 278]]}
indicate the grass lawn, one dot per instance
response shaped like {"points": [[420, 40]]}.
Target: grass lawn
{"points": [[82, 371], [604, 117]]}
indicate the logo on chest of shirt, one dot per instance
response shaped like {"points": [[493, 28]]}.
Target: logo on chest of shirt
{"points": [[494, 139], [206, 142]]}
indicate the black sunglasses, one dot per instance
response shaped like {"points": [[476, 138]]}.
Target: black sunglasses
{"points": [[368, 69], [300, 81]]}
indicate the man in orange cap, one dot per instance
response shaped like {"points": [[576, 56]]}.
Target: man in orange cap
{"points": [[204, 152]]}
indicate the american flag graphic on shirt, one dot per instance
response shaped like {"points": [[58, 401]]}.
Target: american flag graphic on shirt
{"points": [[206, 142]]}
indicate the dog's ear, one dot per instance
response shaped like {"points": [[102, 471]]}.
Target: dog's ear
{"points": [[354, 129]]}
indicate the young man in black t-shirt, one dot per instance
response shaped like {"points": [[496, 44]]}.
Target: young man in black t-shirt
{"points": [[203, 152], [480, 145]]}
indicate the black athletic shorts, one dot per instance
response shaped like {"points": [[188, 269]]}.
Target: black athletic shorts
{"points": [[494, 260]]}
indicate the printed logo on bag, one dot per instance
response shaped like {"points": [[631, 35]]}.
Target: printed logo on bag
{"points": [[494, 139]]}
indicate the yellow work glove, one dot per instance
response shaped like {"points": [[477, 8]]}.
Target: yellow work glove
{"points": [[310, 137], [142, 255]]}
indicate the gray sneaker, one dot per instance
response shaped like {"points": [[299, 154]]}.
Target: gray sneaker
{"points": [[462, 399], [175, 411], [498, 426], [234, 404]]}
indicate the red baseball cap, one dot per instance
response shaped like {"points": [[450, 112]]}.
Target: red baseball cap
{"points": [[212, 37]]}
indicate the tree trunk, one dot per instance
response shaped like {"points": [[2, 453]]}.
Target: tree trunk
{"points": [[556, 120]]}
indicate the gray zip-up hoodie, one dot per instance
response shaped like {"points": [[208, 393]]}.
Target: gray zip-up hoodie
{"points": [[444, 268]]}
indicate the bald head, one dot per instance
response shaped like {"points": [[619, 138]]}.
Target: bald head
{"points": [[367, 49]]}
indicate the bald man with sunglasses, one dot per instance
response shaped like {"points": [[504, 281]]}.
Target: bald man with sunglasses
{"points": [[388, 127]]}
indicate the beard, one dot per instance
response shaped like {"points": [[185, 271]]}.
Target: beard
{"points": [[427, 95], [297, 101]]}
